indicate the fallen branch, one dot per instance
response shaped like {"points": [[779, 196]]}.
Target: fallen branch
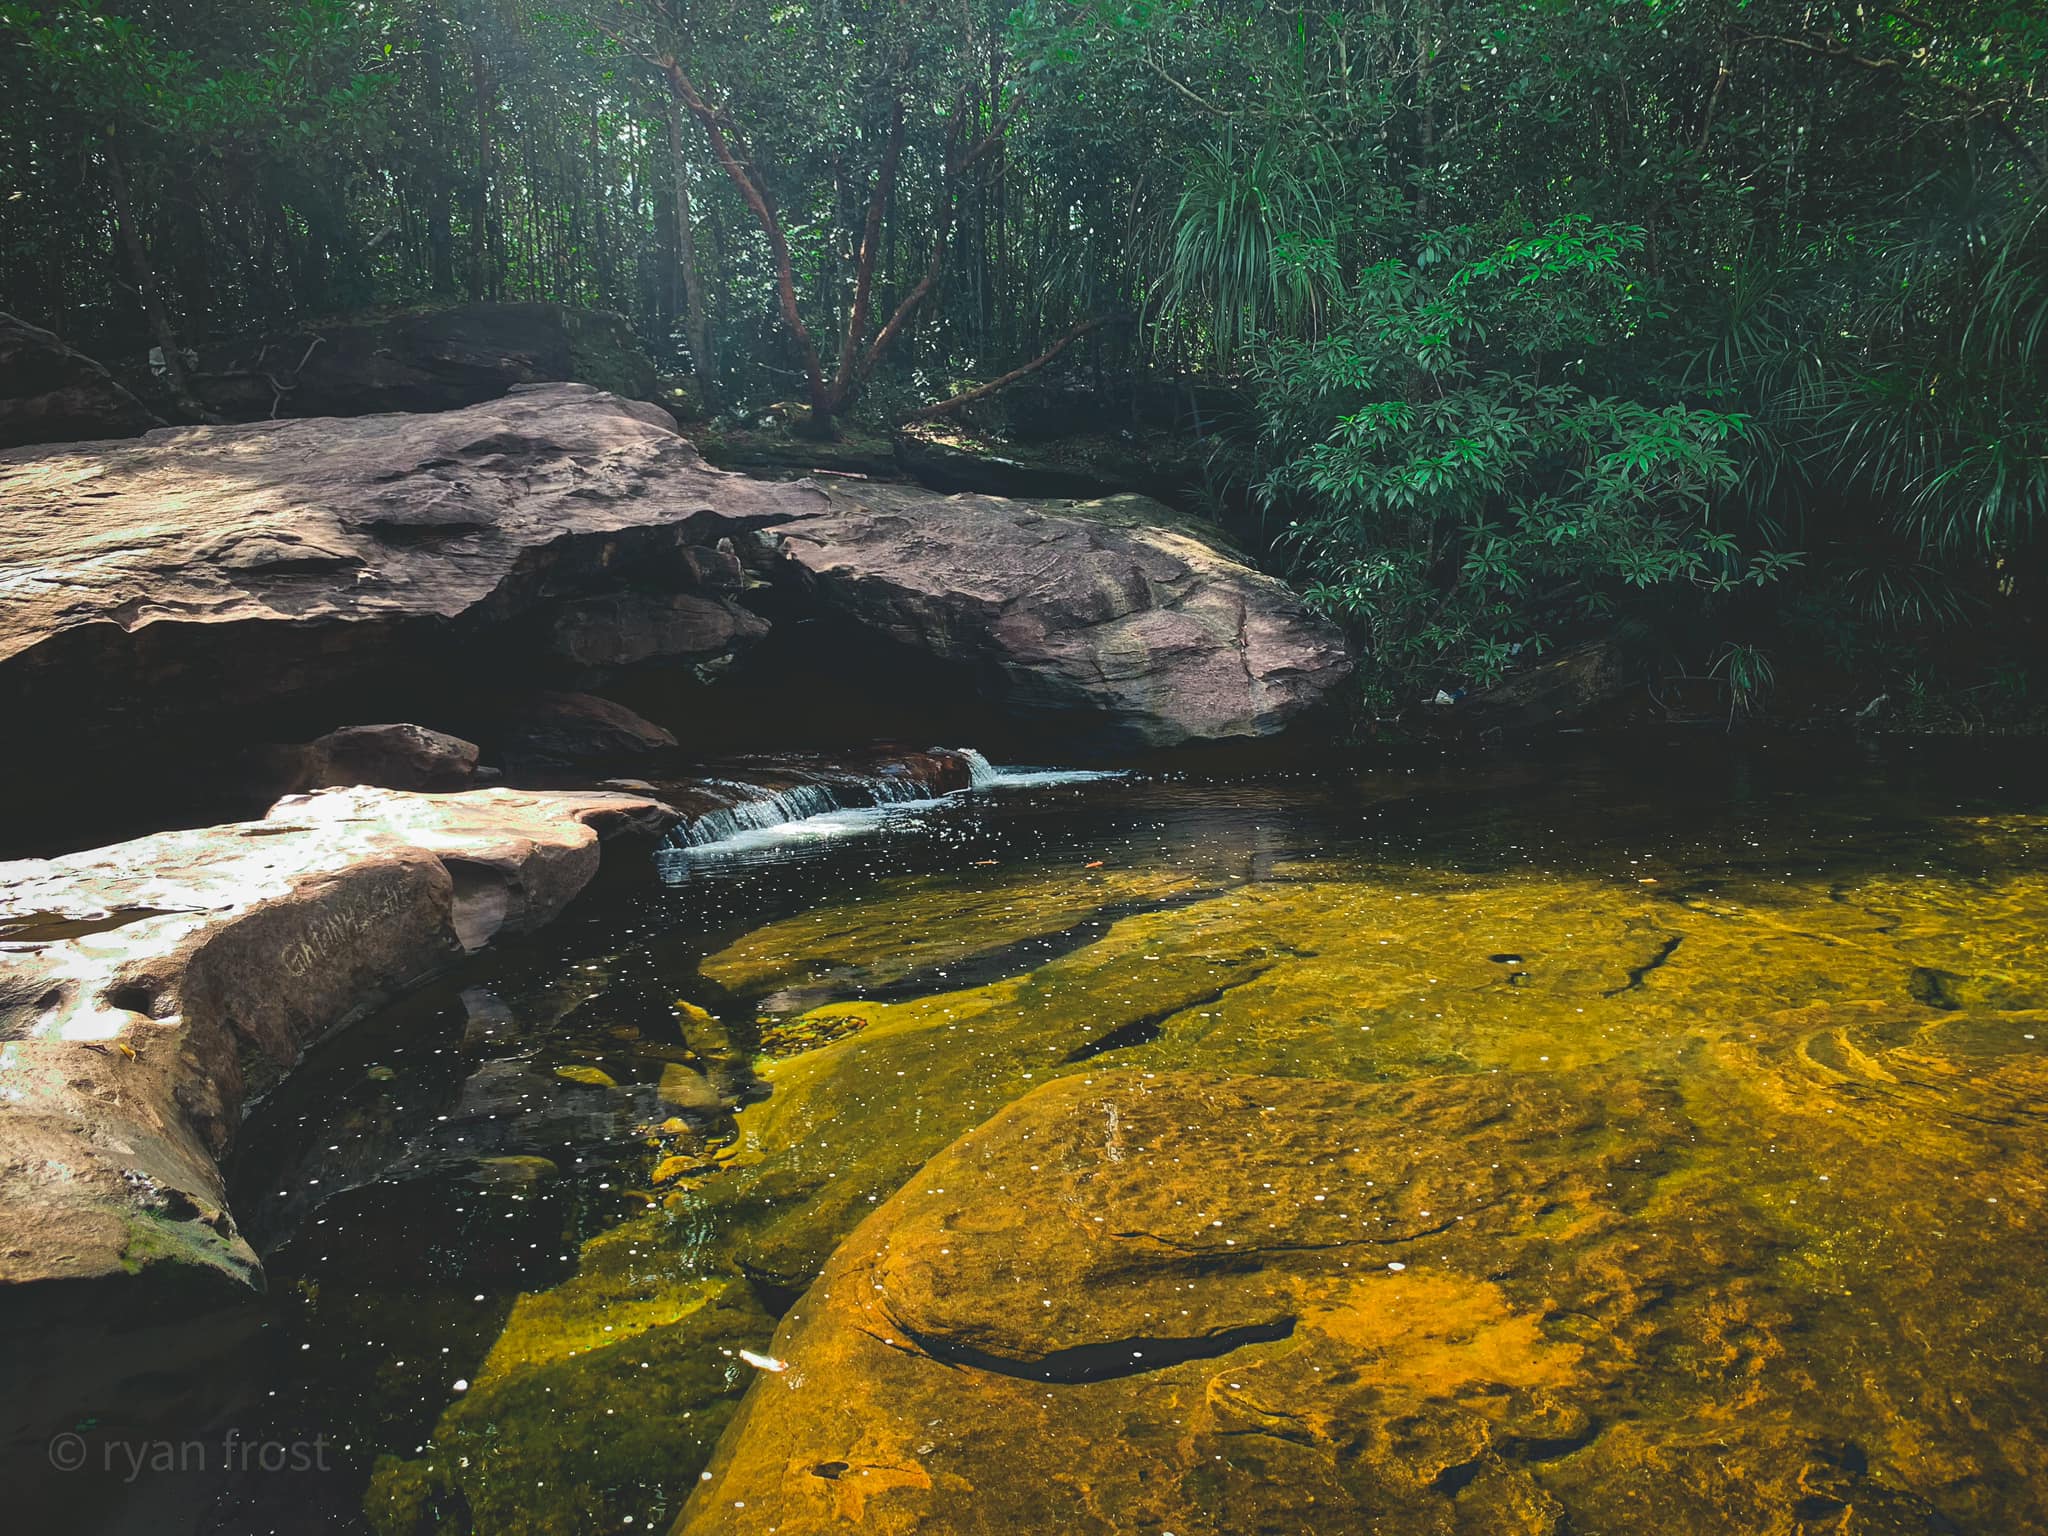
{"points": [[983, 391]]}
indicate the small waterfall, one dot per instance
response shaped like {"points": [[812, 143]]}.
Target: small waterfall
{"points": [[984, 774], [804, 800], [753, 809], [789, 792]]}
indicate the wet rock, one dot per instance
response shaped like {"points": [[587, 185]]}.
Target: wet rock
{"points": [[586, 1077], [683, 1088], [516, 1171], [1774, 1200], [591, 1392], [1139, 1301], [148, 989], [1178, 1302], [386, 756], [52, 394], [934, 927], [421, 360]]}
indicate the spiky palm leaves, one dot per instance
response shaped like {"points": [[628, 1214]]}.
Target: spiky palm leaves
{"points": [[1253, 248]]}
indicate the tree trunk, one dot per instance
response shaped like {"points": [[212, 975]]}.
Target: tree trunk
{"points": [[731, 160], [1425, 104], [440, 227], [696, 322], [483, 244], [983, 391], [145, 283]]}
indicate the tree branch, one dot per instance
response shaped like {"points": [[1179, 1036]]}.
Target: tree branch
{"points": [[983, 391], [871, 239], [1199, 100], [756, 199], [1992, 111]]}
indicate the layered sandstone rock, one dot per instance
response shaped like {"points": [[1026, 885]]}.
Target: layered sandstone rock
{"points": [[147, 990], [198, 575]]}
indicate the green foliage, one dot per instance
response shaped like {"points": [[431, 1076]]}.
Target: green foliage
{"points": [[1459, 489], [1253, 247], [1717, 322]]}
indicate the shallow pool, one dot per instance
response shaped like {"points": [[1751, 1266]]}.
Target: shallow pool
{"points": [[1777, 1264]]}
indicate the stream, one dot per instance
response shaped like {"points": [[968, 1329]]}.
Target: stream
{"points": [[521, 1228]]}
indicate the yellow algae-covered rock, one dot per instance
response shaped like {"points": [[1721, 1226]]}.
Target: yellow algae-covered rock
{"points": [[922, 924], [1357, 979], [586, 1077], [1766, 1182], [1142, 1302], [1495, 1303], [686, 1089], [592, 1392]]}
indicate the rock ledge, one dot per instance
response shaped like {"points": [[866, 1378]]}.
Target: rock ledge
{"points": [[148, 990]]}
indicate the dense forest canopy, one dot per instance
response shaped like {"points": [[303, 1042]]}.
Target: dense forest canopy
{"points": [[1720, 324]]}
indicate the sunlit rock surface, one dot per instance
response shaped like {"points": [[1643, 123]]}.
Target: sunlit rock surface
{"points": [[148, 989], [193, 574], [1143, 1301], [1104, 609], [1723, 1199], [1499, 1303]]}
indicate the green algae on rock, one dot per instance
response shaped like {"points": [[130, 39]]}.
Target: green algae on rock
{"points": [[593, 1392]]}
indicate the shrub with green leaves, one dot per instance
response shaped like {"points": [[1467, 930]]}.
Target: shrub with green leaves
{"points": [[1458, 484]]}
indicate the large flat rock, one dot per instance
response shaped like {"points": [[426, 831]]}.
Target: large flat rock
{"points": [[195, 575], [149, 989], [1138, 1302]]}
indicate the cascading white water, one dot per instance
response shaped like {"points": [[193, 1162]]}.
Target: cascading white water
{"points": [[757, 808], [987, 775], [839, 802]]}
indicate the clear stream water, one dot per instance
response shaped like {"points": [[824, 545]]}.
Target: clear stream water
{"points": [[520, 1228]]}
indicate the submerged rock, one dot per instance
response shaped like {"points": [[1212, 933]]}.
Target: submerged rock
{"points": [[592, 1392], [147, 990], [1757, 1201], [1135, 1302], [1176, 1302]]}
